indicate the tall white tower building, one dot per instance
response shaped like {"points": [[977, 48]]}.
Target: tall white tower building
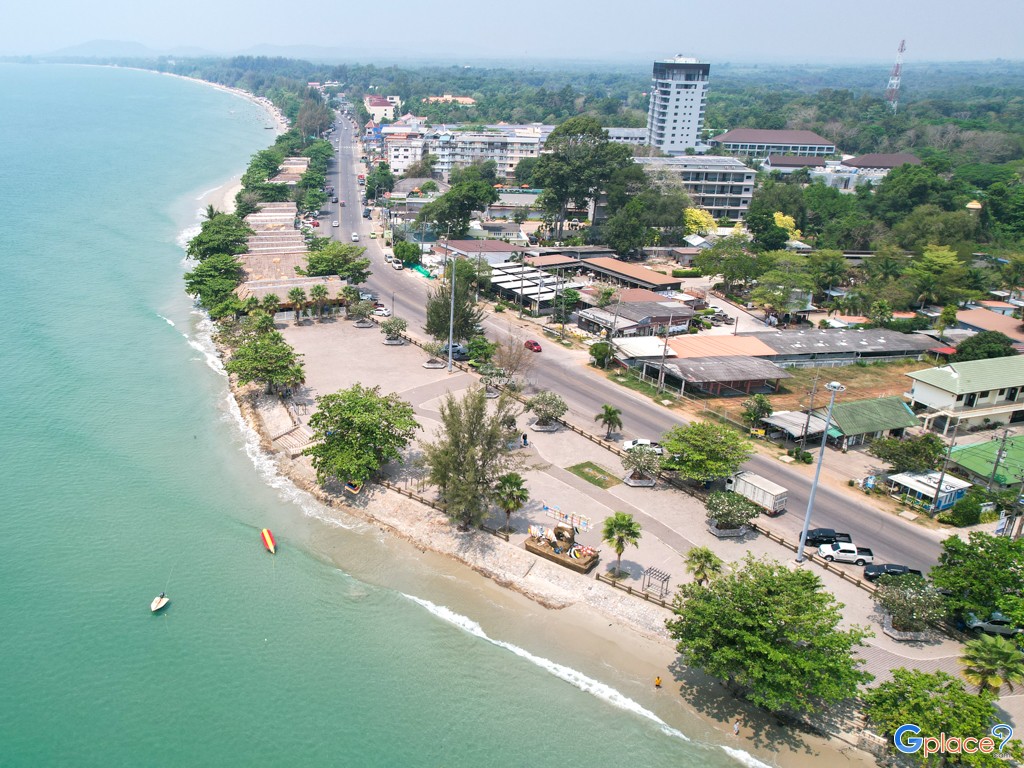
{"points": [[679, 93]]}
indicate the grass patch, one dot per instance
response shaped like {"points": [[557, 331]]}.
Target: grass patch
{"points": [[592, 473]]}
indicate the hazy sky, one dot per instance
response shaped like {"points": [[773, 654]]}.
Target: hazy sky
{"points": [[733, 30]]}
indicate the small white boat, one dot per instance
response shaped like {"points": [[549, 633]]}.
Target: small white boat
{"points": [[159, 602]]}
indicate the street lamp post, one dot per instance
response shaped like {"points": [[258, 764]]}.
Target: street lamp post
{"points": [[834, 387]]}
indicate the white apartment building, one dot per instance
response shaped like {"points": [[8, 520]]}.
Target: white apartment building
{"points": [[633, 136], [722, 186], [679, 93]]}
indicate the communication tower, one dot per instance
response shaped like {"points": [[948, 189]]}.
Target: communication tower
{"points": [[892, 92]]}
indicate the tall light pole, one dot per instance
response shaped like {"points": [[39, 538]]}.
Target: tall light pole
{"points": [[834, 387], [451, 302]]}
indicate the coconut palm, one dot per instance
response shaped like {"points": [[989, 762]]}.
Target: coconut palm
{"points": [[618, 531], [252, 304], [992, 661], [297, 298], [350, 294], [210, 212], [927, 289], [319, 295], [510, 494], [611, 418], [641, 462], [271, 303], [703, 564]]}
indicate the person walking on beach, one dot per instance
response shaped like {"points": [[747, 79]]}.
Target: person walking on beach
{"points": [[736, 728], [657, 683]]}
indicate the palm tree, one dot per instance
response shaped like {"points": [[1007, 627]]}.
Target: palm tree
{"points": [[319, 295], [611, 418], [251, 305], [992, 661], [703, 564], [297, 298], [927, 287], [351, 295], [271, 303], [511, 494], [619, 530], [210, 212]]}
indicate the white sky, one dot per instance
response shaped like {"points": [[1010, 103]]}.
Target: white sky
{"points": [[733, 30]]}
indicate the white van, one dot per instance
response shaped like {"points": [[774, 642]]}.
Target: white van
{"points": [[355, 237]]}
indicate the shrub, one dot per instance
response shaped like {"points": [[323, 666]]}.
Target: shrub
{"points": [[910, 601], [967, 511], [730, 510], [685, 273]]}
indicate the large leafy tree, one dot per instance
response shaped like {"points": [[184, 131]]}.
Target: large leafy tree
{"points": [[755, 408], [983, 574], [912, 454], [984, 346], [224, 233], [451, 212], [577, 163], [267, 359], [407, 253], [991, 661], [784, 286], [358, 430], [214, 279], [626, 232], [379, 181], [467, 315], [473, 448], [346, 260], [937, 703], [547, 406], [771, 635], [704, 451], [619, 531]]}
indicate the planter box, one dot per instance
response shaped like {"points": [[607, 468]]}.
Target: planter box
{"points": [[644, 482], [364, 324], [394, 342], [435, 364], [545, 427], [905, 637], [542, 549], [727, 533]]}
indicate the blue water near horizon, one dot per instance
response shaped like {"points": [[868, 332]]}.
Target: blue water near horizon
{"points": [[125, 472]]}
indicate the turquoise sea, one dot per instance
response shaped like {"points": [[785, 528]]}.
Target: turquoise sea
{"points": [[125, 471]]}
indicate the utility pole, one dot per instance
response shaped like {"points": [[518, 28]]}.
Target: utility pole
{"points": [[664, 354], [810, 410], [999, 456], [835, 388], [451, 302]]}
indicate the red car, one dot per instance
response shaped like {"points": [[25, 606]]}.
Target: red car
{"points": [[533, 346]]}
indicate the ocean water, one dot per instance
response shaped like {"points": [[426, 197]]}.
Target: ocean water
{"points": [[125, 471]]}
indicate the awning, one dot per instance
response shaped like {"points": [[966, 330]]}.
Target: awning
{"points": [[943, 350], [835, 433]]}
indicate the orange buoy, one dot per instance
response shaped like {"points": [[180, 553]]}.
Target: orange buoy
{"points": [[268, 541]]}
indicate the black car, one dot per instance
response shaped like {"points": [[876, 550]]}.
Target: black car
{"points": [[334, 199], [876, 571], [818, 536]]}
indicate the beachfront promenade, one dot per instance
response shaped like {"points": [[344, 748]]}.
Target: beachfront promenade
{"points": [[337, 355]]}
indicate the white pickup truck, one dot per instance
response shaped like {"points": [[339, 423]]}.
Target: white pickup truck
{"points": [[845, 552]]}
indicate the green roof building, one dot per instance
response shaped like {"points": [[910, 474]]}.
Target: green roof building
{"points": [[857, 421], [978, 460]]}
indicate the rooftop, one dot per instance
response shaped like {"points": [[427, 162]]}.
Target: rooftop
{"points": [[986, 320], [791, 161], [870, 340], [974, 375], [705, 370], [631, 271], [880, 414], [882, 161], [767, 136], [719, 346], [979, 459], [693, 162], [476, 246]]}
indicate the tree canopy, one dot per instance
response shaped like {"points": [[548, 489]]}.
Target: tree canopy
{"points": [[981, 575], [984, 346], [704, 451], [346, 260], [911, 454], [467, 315], [225, 233]]}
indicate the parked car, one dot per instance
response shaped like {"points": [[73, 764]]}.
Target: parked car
{"points": [[388, 257], [533, 346], [629, 445], [366, 213], [996, 624], [397, 264], [335, 223], [873, 572], [844, 552], [818, 536], [366, 296], [382, 312]]}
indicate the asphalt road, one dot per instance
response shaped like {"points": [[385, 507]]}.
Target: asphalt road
{"points": [[891, 538]]}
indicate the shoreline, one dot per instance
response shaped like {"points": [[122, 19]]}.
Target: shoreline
{"points": [[587, 609]]}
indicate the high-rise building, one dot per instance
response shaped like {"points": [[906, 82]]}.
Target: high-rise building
{"points": [[679, 94]]}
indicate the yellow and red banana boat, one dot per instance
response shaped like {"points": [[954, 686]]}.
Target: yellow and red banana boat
{"points": [[268, 541]]}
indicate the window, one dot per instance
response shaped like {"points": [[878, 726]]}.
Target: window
{"points": [[983, 395]]}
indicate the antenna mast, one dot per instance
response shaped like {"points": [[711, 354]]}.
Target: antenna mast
{"points": [[892, 92]]}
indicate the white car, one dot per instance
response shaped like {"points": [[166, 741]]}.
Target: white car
{"points": [[641, 443], [355, 237], [382, 312], [335, 224]]}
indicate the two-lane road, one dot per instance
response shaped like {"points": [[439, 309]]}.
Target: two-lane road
{"points": [[585, 390]]}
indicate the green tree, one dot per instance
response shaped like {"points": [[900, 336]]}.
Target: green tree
{"points": [[610, 418], [605, 294], [214, 279], [547, 406], [880, 313], [703, 564], [467, 315], [510, 494], [641, 462], [697, 221], [567, 301], [910, 601], [827, 269], [422, 168], [271, 303], [480, 349], [990, 662], [356, 431], [984, 346], [704, 451], [350, 295], [768, 236], [267, 359], [755, 408], [935, 274], [771, 635], [379, 181], [297, 298], [319, 296], [406, 252], [784, 287], [224, 233], [910, 454], [361, 310], [393, 327], [947, 319], [626, 231], [602, 352], [937, 703], [730, 510], [451, 212], [981, 574], [346, 260], [524, 171], [472, 450], [619, 531]]}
